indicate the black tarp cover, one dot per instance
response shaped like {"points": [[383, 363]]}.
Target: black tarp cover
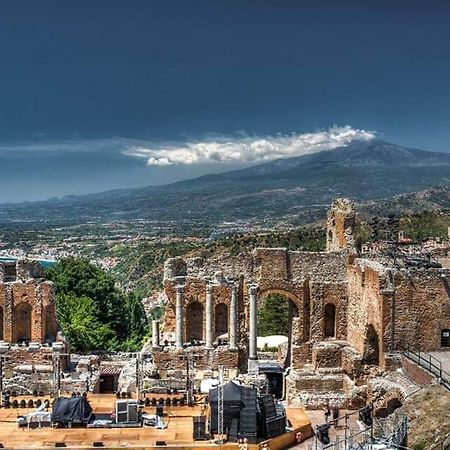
{"points": [[73, 409], [232, 404]]}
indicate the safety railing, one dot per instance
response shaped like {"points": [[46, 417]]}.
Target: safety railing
{"points": [[429, 363]]}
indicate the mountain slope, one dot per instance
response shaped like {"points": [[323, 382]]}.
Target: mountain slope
{"points": [[280, 188]]}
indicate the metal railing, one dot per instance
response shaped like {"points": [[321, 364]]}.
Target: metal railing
{"points": [[391, 431], [429, 363]]}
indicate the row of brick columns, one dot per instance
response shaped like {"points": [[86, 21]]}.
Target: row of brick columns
{"points": [[179, 319]]}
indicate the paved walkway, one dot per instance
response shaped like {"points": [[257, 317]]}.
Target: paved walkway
{"points": [[444, 357]]}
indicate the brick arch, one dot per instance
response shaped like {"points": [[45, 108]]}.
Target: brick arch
{"points": [[295, 313], [22, 328], [281, 291], [194, 321]]}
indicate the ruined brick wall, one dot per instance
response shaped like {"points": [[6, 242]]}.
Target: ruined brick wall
{"points": [[27, 304], [340, 225], [422, 307], [365, 304], [172, 358]]}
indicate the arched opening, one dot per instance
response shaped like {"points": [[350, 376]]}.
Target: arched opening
{"points": [[330, 321], [445, 338], [371, 347], [391, 406], [1, 323], [274, 316], [194, 322], [22, 322], [221, 319]]}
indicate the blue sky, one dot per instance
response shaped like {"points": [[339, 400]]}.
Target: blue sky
{"points": [[96, 94]]}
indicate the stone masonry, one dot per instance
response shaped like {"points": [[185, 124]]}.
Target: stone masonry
{"points": [[347, 313]]}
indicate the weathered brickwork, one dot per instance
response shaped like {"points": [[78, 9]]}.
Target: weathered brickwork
{"points": [[27, 306], [341, 310]]}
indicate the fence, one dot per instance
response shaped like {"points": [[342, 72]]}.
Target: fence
{"points": [[391, 431], [428, 362]]}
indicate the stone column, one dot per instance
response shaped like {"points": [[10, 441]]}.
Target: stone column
{"points": [[233, 318], [179, 317], [209, 317], [155, 334], [253, 332]]}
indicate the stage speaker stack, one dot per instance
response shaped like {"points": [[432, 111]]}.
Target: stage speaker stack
{"points": [[268, 406], [126, 411], [248, 418], [233, 431], [275, 426], [199, 428]]}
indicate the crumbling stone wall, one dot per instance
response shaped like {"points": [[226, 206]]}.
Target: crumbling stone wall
{"points": [[27, 303], [340, 225], [420, 299], [365, 304], [422, 308]]}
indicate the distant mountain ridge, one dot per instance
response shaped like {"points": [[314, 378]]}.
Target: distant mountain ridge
{"points": [[277, 189]]}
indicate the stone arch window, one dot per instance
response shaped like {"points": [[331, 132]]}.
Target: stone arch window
{"points": [[371, 347], [22, 323], [1, 323], [194, 322], [445, 338], [330, 321], [221, 319]]}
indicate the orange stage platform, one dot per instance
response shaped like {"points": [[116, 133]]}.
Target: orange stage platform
{"points": [[177, 435]]}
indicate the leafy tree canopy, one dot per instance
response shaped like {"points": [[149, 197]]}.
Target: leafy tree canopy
{"points": [[92, 312], [273, 316]]}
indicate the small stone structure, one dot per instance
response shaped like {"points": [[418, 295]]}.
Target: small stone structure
{"points": [[27, 303], [347, 314]]}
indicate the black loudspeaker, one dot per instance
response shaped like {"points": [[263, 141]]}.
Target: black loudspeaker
{"points": [[160, 410], [5, 400], [252, 438], [322, 433], [199, 428], [233, 431], [268, 406], [248, 418], [160, 443], [275, 426]]}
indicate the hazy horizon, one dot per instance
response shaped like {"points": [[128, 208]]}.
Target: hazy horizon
{"points": [[104, 95]]}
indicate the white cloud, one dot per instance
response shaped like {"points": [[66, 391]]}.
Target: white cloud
{"points": [[248, 148]]}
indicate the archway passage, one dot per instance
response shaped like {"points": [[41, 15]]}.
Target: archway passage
{"points": [[330, 321], [221, 319], [194, 322], [445, 338], [275, 317], [22, 322], [1, 323], [371, 347]]}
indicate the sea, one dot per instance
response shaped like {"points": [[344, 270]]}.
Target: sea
{"points": [[42, 262]]}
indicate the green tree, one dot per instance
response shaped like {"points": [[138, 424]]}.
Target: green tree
{"points": [[80, 278], [93, 313], [273, 316], [78, 319]]}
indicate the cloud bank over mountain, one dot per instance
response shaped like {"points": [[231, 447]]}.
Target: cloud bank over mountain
{"points": [[246, 148]]}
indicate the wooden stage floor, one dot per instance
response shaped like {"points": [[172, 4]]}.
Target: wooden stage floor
{"points": [[178, 433]]}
